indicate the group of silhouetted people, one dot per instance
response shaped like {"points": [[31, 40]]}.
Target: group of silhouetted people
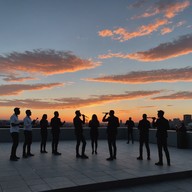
{"points": [[160, 123]]}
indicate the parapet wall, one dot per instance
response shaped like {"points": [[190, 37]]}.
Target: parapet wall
{"points": [[68, 134]]}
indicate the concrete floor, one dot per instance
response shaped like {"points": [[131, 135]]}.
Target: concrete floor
{"points": [[45, 172]]}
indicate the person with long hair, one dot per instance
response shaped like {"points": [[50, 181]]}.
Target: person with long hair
{"points": [[43, 125], [94, 124]]}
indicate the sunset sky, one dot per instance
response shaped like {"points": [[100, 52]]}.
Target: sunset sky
{"points": [[132, 56]]}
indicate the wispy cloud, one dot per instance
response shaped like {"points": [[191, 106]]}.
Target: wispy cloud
{"points": [[16, 89], [13, 78], [138, 3], [178, 47], [121, 34], [68, 103], [166, 30], [175, 96], [45, 62], [172, 27], [169, 9], [161, 75]]}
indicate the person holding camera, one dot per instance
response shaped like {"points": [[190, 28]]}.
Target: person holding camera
{"points": [[113, 123], [78, 124]]}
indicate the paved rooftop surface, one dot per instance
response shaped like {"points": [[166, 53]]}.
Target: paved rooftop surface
{"points": [[45, 172]]}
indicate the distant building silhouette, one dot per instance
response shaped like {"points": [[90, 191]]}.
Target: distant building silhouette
{"points": [[187, 119]]}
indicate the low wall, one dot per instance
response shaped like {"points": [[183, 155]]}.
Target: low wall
{"points": [[68, 134]]}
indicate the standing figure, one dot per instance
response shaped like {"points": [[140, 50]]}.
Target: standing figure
{"points": [[78, 124], [162, 126], [113, 123], [130, 124], [143, 127], [28, 123], [43, 125], [14, 130], [55, 130], [94, 124]]}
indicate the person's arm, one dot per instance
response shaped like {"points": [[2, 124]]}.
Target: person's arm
{"points": [[104, 118], [83, 121], [154, 122]]}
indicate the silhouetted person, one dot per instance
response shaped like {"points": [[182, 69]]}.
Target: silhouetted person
{"points": [[55, 130], [143, 127], [94, 124], [130, 124], [14, 130], [78, 124], [27, 123], [43, 125], [113, 123], [162, 126], [182, 136], [182, 128]]}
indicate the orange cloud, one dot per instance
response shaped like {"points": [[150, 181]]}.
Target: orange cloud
{"points": [[121, 34], [161, 75], [15, 89], [179, 47], [166, 30], [69, 103], [168, 8], [105, 33], [45, 62], [175, 96]]}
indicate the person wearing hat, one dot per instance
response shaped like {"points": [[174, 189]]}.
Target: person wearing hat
{"points": [[162, 126], [14, 130], [113, 123], [78, 124]]}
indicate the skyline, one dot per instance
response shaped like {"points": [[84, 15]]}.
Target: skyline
{"points": [[130, 56]]}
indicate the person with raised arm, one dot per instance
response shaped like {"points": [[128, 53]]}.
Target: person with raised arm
{"points": [[78, 124], [113, 123]]}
